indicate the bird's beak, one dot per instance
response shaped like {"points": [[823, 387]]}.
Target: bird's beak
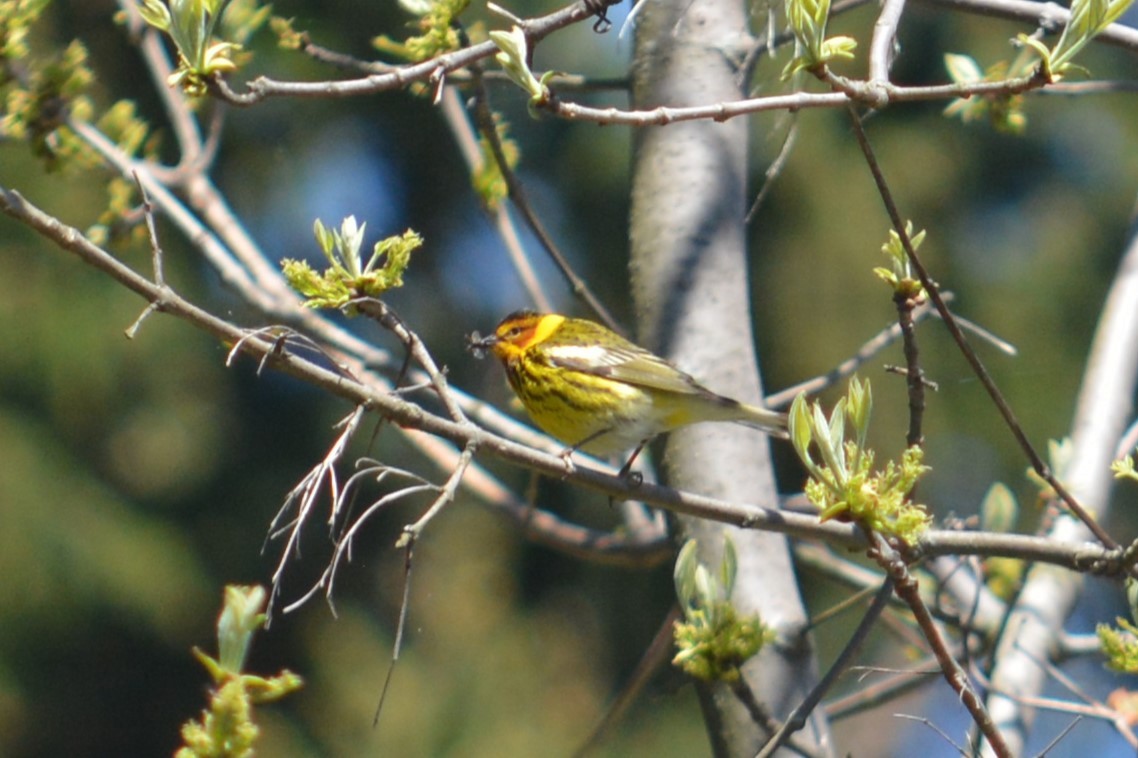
{"points": [[478, 345]]}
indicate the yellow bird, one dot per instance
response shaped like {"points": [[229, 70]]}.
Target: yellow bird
{"points": [[597, 392]]}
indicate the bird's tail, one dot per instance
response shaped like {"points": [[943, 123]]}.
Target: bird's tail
{"points": [[764, 419]]}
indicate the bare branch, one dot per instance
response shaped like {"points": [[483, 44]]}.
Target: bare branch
{"points": [[484, 118], [954, 674], [431, 70], [1086, 557], [305, 495], [970, 355], [884, 39], [797, 719], [1048, 15], [456, 118], [1104, 408]]}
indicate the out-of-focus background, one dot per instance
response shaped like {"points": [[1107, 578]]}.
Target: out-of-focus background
{"points": [[138, 477]]}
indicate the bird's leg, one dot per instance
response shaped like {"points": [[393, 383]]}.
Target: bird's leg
{"points": [[567, 453], [635, 478]]}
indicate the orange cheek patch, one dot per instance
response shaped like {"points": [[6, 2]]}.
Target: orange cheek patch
{"points": [[525, 339], [535, 331]]}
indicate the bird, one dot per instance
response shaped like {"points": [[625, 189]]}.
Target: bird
{"points": [[597, 392]]}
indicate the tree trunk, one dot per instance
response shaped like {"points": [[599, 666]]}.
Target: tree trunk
{"points": [[690, 287]]}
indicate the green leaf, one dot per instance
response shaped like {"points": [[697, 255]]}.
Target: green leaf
{"points": [[240, 618], [963, 69], [156, 14], [684, 575], [513, 55], [729, 567], [999, 509]]}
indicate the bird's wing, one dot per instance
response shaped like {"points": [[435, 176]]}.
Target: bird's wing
{"points": [[631, 366]]}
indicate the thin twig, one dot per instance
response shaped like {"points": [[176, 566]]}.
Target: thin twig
{"points": [[387, 318], [156, 258], [401, 625], [848, 367], [642, 548], [847, 603], [305, 495], [1061, 736], [456, 118], [182, 121], [965, 348], [874, 695], [411, 532], [1095, 710], [345, 540], [797, 719], [658, 652], [1128, 442], [956, 676], [535, 29], [929, 723], [763, 719], [914, 374], [1050, 15], [1085, 557], [884, 39], [488, 127], [775, 169]]}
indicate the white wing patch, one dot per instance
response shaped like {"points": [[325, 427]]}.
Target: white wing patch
{"points": [[584, 355]]}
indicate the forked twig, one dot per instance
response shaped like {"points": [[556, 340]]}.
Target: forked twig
{"points": [[379, 311], [456, 117], [484, 118], [344, 540], [954, 674], [875, 694], [970, 355], [929, 723], [305, 495], [156, 257]]}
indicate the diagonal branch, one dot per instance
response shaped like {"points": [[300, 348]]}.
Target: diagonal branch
{"points": [[1105, 404], [1077, 556], [433, 70], [970, 355]]}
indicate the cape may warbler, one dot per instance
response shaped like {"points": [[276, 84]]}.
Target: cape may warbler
{"points": [[597, 392]]}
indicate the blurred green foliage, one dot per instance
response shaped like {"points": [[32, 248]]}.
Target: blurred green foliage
{"points": [[138, 477]]}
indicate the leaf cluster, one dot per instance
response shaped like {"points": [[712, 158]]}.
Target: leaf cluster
{"points": [[899, 275], [1005, 110], [842, 480], [713, 640], [812, 50], [348, 277], [1088, 19], [39, 93], [208, 34], [227, 727], [438, 30], [1120, 646]]}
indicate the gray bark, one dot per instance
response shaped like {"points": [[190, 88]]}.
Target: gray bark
{"points": [[690, 288]]}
